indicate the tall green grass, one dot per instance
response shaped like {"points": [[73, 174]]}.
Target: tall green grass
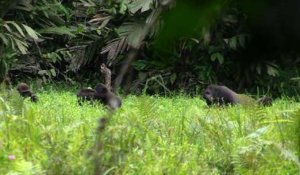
{"points": [[148, 135]]}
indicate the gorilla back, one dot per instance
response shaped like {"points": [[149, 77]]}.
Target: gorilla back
{"points": [[85, 94], [215, 94], [107, 97], [220, 95]]}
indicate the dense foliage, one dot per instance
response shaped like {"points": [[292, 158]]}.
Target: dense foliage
{"points": [[148, 135], [156, 46]]}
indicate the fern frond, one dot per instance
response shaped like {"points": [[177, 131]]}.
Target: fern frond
{"points": [[134, 32], [115, 47], [62, 30], [15, 35]]}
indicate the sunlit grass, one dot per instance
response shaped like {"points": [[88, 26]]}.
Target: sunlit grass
{"points": [[148, 135]]}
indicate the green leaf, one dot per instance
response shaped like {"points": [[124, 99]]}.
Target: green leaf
{"points": [[242, 40], [24, 5], [17, 27], [217, 56], [143, 5], [12, 43], [63, 30], [123, 7], [295, 79], [4, 39], [53, 72], [32, 33], [42, 72], [135, 33], [233, 43], [22, 46], [7, 28], [173, 78], [114, 47], [104, 23], [272, 71]]}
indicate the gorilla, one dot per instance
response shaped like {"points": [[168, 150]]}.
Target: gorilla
{"points": [[100, 93], [222, 95], [25, 91]]}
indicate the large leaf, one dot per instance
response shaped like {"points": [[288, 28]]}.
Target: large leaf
{"points": [[63, 30], [7, 27], [17, 27], [32, 33], [135, 33], [135, 39], [4, 39], [272, 71], [217, 56], [22, 46], [143, 5], [24, 5], [115, 47], [131, 34]]}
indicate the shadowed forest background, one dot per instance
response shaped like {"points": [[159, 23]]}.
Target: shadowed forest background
{"points": [[153, 46]]}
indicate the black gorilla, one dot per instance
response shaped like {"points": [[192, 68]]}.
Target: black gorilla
{"points": [[100, 93], [25, 91]]}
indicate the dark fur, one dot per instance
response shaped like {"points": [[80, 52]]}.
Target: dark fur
{"points": [[25, 91], [100, 93], [215, 94], [107, 97], [86, 94], [222, 95]]}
